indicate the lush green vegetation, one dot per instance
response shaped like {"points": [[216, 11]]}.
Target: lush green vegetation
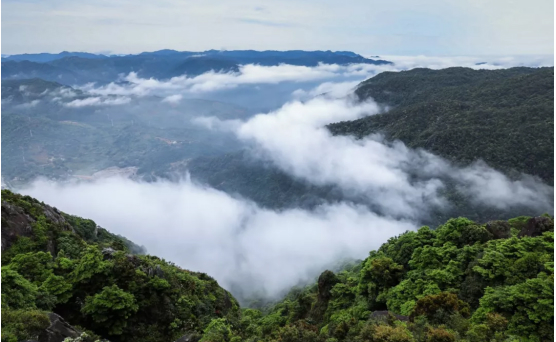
{"points": [[504, 117], [89, 277], [461, 282]]}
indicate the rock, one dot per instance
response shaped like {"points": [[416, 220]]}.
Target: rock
{"points": [[189, 337], [108, 251], [536, 226], [15, 223], [385, 315], [58, 330], [499, 229], [326, 282]]}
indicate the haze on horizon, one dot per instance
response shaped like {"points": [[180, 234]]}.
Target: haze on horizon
{"points": [[405, 27]]}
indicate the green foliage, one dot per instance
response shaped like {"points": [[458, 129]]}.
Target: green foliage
{"points": [[36, 267], [460, 282], [115, 294], [17, 292], [465, 115], [110, 309], [218, 330], [20, 325], [438, 308], [419, 286]]}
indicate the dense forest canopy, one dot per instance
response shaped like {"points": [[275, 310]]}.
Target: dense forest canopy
{"points": [[54, 262], [504, 117], [461, 282]]}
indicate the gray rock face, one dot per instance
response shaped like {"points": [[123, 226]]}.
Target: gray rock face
{"points": [[499, 229], [58, 330], [385, 315], [189, 337], [15, 223], [536, 226]]}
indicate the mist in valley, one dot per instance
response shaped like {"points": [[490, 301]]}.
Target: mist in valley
{"points": [[278, 115]]}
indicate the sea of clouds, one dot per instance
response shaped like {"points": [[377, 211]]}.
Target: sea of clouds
{"points": [[262, 251]]}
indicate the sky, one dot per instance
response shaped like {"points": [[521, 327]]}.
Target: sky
{"points": [[369, 27]]}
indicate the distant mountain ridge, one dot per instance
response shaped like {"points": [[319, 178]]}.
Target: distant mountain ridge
{"points": [[504, 117], [71, 68]]}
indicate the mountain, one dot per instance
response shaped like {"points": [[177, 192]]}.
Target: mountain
{"points": [[199, 65], [59, 268], [43, 135], [504, 117], [460, 282], [26, 70], [76, 68], [65, 277], [47, 57]]}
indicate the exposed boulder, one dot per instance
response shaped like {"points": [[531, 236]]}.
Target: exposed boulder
{"points": [[58, 330], [387, 316], [189, 337], [499, 229], [15, 223], [326, 282], [536, 226]]}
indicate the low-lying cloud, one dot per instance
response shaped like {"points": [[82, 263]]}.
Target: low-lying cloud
{"points": [[398, 181], [98, 101], [241, 245], [261, 250]]}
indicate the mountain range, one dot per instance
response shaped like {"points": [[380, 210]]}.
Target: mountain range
{"points": [[71, 68]]}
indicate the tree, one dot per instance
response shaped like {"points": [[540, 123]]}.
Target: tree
{"points": [[17, 292], [110, 309]]}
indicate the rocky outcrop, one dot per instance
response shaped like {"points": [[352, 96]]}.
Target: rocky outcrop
{"points": [[189, 337], [499, 229], [18, 220], [58, 330], [386, 315], [536, 226], [15, 223], [326, 282]]}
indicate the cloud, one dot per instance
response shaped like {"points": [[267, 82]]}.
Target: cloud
{"points": [[264, 22], [173, 98], [397, 181], [241, 245], [334, 79], [249, 74], [474, 62], [30, 104], [97, 101], [331, 89]]}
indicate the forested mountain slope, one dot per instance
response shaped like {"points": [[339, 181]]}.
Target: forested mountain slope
{"points": [[54, 262], [461, 282], [504, 117]]}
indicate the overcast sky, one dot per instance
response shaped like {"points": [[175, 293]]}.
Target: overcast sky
{"points": [[401, 27]]}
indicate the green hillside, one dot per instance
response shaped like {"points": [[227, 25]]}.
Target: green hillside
{"points": [[54, 262], [461, 282], [504, 117]]}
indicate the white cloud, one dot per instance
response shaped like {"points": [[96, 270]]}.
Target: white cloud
{"points": [[173, 98], [249, 74], [31, 104], [295, 139], [238, 243], [97, 101], [331, 89]]}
